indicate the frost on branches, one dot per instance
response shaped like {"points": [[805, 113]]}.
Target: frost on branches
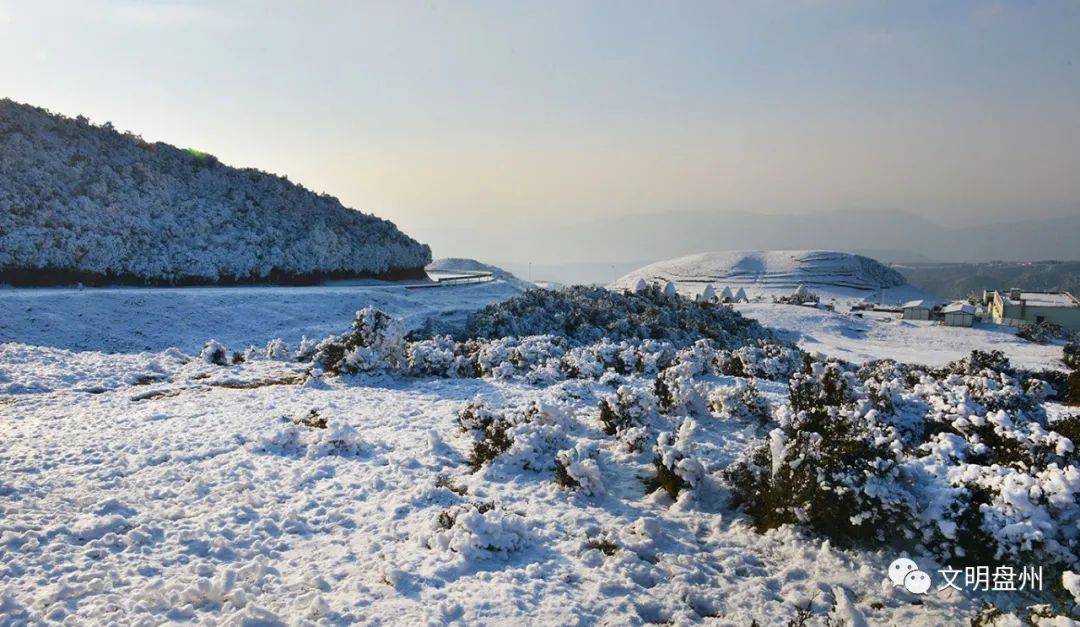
{"points": [[86, 203]]}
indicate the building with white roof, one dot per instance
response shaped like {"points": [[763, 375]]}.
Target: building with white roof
{"points": [[1019, 307], [959, 314]]}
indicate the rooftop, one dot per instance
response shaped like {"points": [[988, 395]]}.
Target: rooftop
{"points": [[1043, 299], [960, 307]]}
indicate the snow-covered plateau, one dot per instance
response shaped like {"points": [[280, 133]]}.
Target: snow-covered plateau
{"points": [[765, 274], [332, 458]]}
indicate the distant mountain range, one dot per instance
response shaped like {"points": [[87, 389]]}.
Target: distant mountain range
{"points": [[958, 280], [889, 236]]}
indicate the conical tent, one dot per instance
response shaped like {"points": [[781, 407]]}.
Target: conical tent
{"points": [[669, 289], [740, 296], [707, 294], [725, 294], [801, 290], [640, 286]]}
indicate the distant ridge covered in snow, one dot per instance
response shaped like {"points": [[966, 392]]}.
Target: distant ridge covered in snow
{"points": [[462, 264], [765, 273], [80, 202]]}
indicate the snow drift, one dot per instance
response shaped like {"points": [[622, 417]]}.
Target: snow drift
{"points": [[80, 202], [768, 273]]}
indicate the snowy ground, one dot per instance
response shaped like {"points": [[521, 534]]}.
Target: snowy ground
{"points": [[138, 319], [886, 336], [147, 487]]}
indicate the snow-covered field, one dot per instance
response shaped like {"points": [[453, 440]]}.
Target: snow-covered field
{"points": [[153, 319], [886, 336], [145, 486]]}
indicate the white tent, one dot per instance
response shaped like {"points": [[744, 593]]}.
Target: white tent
{"points": [[640, 286], [725, 295], [707, 294], [740, 296], [669, 289], [801, 290]]}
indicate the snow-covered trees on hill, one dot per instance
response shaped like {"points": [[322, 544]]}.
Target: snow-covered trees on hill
{"points": [[85, 202]]}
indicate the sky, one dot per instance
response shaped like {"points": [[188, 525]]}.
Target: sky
{"points": [[495, 116]]}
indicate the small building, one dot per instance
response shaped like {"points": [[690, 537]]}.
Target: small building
{"points": [[707, 294], [917, 309], [959, 314], [1019, 308]]}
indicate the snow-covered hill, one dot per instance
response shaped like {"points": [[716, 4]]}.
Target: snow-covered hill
{"points": [[450, 265], [765, 274], [86, 203]]}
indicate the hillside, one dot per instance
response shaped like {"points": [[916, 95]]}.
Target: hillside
{"points": [[87, 203], [958, 280], [774, 272]]}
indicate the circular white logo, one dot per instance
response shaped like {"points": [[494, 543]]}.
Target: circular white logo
{"points": [[917, 582], [899, 569]]}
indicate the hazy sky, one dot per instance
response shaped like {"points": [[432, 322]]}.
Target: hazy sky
{"points": [[437, 113]]}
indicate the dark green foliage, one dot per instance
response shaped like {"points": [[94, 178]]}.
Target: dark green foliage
{"points": [[1072, 389], [587, 314], [665, 479], [605, 546], [838, 451], [490, 431], [311, 419], [977, 362], [1071, 354], [562, 477], [237, 358], [1040, 332]]}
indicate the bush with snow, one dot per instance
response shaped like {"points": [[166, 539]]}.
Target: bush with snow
{"points": [[311, 437], [676, 468], [741, 402], [764, 359], [1040, 332], [376, 343], [587, 314], [630, 406], [527, 436], [87, 203], [831, 464], [576, 468], [214, 353], [480, 530]]}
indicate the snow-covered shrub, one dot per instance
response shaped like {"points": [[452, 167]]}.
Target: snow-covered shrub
{"points": [[1072, 389], [587, 314], [800, 297], [215, 353], [477, 531], [677, 392], [305, 350], [376, 342], [278, 350], [765, 359], [511, 356], [1040, 332], [87, 203], [676, 469], [741, 402], [1070, 354], [577, 468], [527, 436], [831, 464], [311, 437], [628, 407], [439, 356]]}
